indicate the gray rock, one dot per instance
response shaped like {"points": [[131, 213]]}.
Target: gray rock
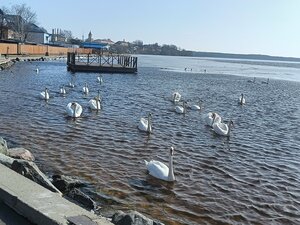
{"points": [[132, 218], [66, 183], [31, 171], [3, 146], [6, 160], [20, 153], [80, 197]]}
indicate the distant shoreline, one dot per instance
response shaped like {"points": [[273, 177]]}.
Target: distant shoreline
{"points": [[244, 56]]}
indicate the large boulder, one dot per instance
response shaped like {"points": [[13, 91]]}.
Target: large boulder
{"points": [[6, 160], [83, 199], [31, 171], [20, 153], [132, 218], [3, 146], [66, 183]]}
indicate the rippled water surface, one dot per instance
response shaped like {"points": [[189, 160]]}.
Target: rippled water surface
{"points": [[253, 178]]}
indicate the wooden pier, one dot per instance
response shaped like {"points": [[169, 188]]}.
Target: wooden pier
{"points": [[101, 63]]}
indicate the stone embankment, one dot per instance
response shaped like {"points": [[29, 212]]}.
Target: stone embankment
{"points": [[7, 61], [29, 192]]}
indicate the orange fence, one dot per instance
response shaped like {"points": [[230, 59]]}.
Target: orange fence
{"points": [[25, 49]]}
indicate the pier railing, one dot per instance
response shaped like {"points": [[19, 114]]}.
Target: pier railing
{"points": [[102, 62]]}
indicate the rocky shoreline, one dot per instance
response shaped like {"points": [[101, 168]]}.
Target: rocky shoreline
{"points": [[22, 160]]}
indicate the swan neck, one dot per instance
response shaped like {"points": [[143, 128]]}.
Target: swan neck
{"points": [[149, 125], [74, 110], [98, 104], [213, 121], [229, 128], [171, 176]]}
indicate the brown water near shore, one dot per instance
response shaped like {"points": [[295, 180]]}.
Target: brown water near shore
{"points": [[253, 178]]}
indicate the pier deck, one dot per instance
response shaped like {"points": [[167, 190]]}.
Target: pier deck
{"points": [[102, 63]]}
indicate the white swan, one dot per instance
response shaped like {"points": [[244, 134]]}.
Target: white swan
{"points": [[71, 85], [223, 128], [62, 90], [146, 124], [44, 94], [266, 82], [74, 109], [37, 70], [85, 89], [242, 100], [160, 170], [212, 118], [181, 109], [95, 104], [252, 81], [100, 80], [176, 97], [197, 106]]}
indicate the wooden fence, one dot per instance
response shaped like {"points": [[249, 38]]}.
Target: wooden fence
{"points": [[26, 49]]}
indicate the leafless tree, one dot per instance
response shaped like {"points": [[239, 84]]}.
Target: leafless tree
{"points": [[67, 34], [3, 12], [24, 17]]}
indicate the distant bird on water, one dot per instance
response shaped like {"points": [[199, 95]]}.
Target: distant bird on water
{"points": [[252, 81], [196, 106], [62, 90], [176, 97], [266, 82], [212, 118], [44, 94], [181, 109], [242, 100], [85, 89], [100, 80], [95, 103], [145, 124], [223, 128]]}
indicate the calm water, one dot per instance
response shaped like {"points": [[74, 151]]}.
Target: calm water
{"points": [[253, 178]]}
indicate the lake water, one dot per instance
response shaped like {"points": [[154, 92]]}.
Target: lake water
{"points": [[252, 178]]}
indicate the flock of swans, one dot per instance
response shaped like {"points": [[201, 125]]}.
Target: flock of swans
{"points": [[74, 109], [158, 169], [155, 168]]}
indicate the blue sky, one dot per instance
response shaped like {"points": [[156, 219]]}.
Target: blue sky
{"points": [[234, 26]]}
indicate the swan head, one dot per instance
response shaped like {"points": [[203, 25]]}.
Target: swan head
{"points": [[213, 115], [171, 151], [73, 105]]}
